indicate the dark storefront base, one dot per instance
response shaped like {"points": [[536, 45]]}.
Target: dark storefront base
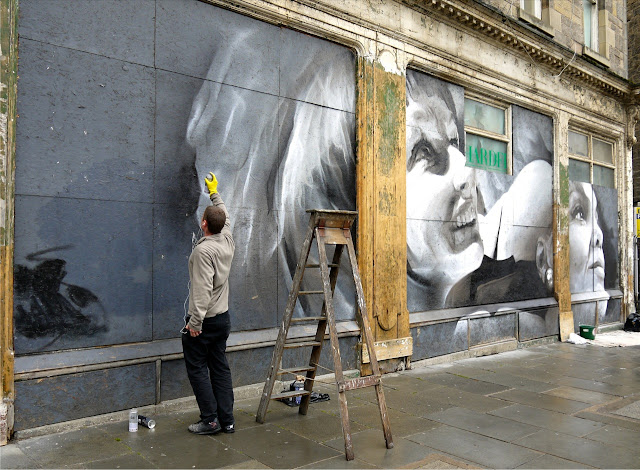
{"points": [[68, 385]]}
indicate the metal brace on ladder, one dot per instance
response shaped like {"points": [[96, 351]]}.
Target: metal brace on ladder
{"points": [[328, 228]]}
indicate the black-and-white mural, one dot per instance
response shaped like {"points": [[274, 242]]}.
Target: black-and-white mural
{"points": [[474, 236], [115, 136]]}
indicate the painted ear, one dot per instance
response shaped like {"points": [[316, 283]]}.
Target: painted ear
{"points": [[541, 259]]}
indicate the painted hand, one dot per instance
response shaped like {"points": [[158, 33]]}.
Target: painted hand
{"points": [[212, 184]]}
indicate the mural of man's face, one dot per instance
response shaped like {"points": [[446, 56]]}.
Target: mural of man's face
{"points": [[440, 189], [585, 240]]}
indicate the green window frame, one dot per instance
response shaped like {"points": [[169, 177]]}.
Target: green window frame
{"points": [[487, 126]]}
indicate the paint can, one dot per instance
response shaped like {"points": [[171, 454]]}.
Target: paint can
{"points": [[146, 422], [133, 420]]}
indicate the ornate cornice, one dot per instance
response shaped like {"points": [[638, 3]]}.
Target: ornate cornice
{"points": [[499, 28]]}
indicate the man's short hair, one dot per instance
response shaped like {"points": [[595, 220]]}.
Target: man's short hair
{"points": [[215, 218]]}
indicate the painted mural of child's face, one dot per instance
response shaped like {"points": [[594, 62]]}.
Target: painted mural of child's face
{"points": [[442, 191], [585, 240]]}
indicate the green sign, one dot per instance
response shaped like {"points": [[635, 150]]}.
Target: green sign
{"points": [[486, 159]]}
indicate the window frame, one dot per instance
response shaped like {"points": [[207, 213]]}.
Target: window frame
{"points": [[506, 137], [537, 8], [589, 158], [594, 39]]}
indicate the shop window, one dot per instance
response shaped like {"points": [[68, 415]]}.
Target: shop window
{"points": [[488, 135], [591, 160]]}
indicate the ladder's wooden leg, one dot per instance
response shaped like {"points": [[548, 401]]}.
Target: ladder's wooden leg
{"points": [[320, 332], [335, 347], [286, 321], [368, 337]]}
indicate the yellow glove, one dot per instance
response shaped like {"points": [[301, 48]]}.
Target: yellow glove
{"points": [[212, 184]]}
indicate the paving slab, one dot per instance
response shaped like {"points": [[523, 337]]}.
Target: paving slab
{"points": [[617, 436], [321, 427], [540, 400], [550, 420], [578, 394], [370, 446], [340, 462], [578, 449], [630, 411], [609, 419], [11, 456], [551, 462], [596, 386], [471, 401], [131, 460], [482, 450], [276, 447], [488, 425], [466, 384], [402, 424], [72, 447], [508, 380]]}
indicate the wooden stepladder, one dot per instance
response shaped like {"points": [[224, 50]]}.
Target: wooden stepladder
{"points": [[328, 228]]}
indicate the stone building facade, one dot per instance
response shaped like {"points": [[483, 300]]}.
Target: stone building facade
{"points": [[485, 145]]}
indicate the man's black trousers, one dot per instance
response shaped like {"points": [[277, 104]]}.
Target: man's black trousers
{"points": [[208, 369]]}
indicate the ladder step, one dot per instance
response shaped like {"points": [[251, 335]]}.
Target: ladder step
{"points": [[302, 319], [289, 394], [302, 344], [310, 292], [360, 382], [331, 265], [295, 370]]}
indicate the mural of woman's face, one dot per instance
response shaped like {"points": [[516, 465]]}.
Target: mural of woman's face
{"points": [[441, 190], [585, 240]]}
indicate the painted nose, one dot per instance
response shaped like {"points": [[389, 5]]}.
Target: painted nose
{"points": [[597, 236], [464, 178]]}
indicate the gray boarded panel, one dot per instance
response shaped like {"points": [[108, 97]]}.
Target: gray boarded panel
{"points": [[82, 274], [584, 314], [72, 24], [439, 339], [175, 383], [492, 329], [252, 280], [612, 312], [174, 179], [538, 323], [56, 399], [330, 68], [251, 366], [200, 40], [86, 125]]}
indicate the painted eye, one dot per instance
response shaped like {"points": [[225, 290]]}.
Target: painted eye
{"points": [[578, 213], [432, 161]]}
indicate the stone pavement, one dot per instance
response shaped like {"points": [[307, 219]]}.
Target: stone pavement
{"points": [[557, 405]]}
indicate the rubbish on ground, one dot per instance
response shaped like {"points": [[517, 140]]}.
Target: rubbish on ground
{"points": [[632, 323], [133, 420]]}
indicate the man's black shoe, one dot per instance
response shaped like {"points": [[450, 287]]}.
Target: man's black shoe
{"points": [[229, 428], [205, 428]]}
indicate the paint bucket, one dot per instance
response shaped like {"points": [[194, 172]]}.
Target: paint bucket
{"points": [[587, 331]]}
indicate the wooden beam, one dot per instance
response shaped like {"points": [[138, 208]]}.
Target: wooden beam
{"points": [[8, 93], [381, 200]]}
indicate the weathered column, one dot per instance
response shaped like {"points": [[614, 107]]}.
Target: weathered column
{"points": [[627, 222], [561, 260], [381, 185], [8, 80]]}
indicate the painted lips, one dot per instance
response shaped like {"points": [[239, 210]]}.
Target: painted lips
{"points": [[464, 227]]}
